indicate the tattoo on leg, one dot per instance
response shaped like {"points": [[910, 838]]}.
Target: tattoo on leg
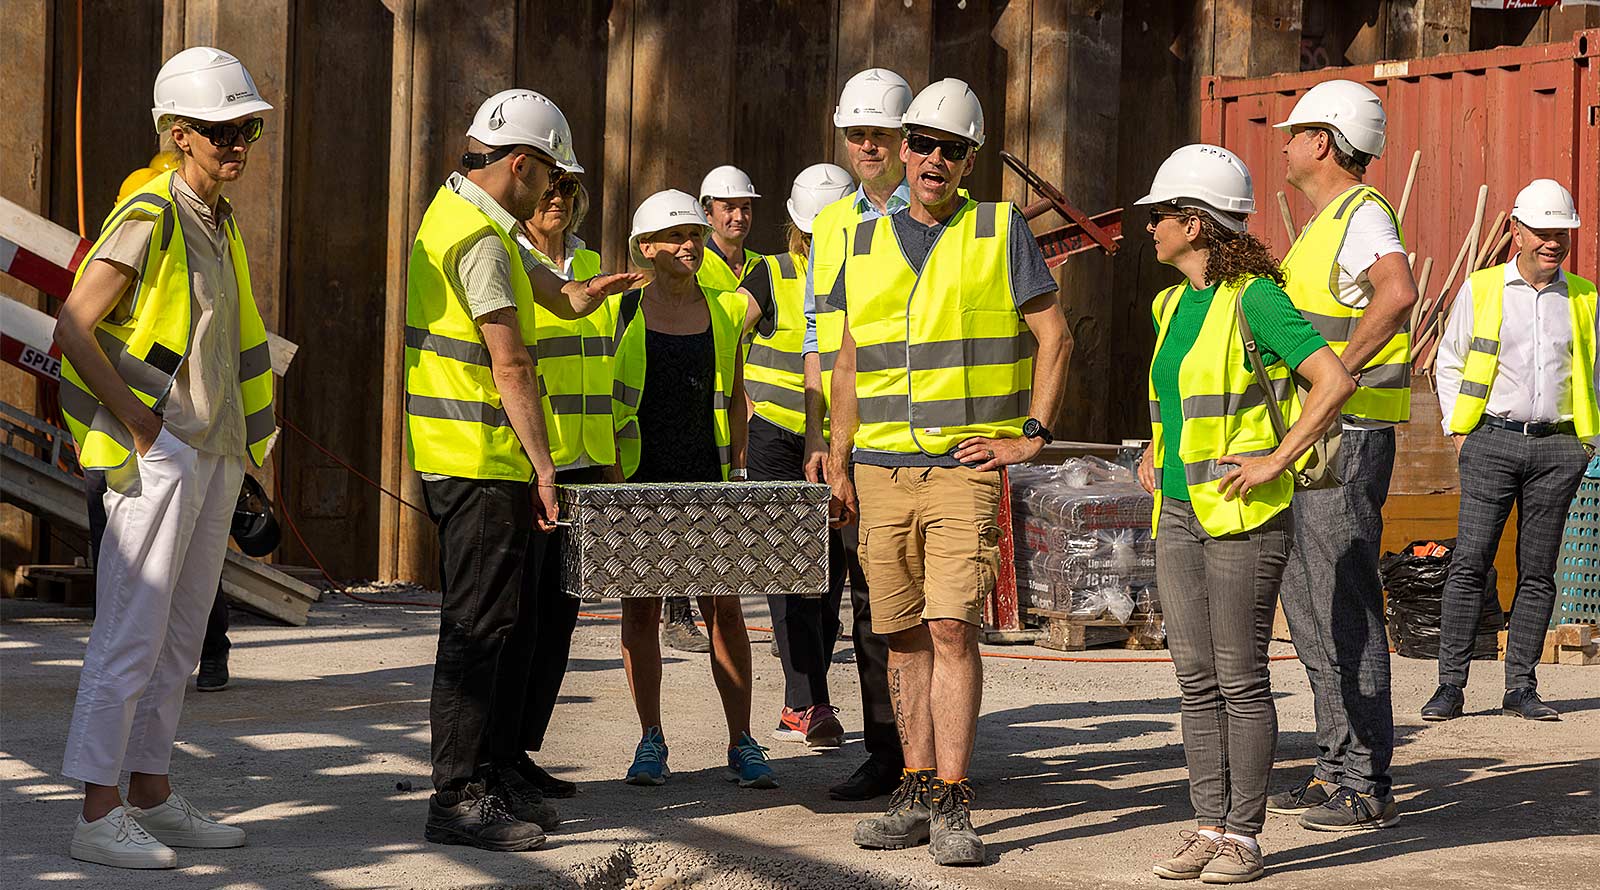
{"points": [[899, 708]]}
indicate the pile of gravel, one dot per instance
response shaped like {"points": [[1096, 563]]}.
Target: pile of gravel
{"points": [[670, 866]]}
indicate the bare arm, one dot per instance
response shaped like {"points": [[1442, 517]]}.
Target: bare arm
{"points": [[1331, 387], [738, 420], [816, 453], [1394, 292], [842, 424], [90, 301], [516, 376], [575, 299], [1049, 327]]}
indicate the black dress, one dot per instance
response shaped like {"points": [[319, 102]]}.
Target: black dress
{"points": [[676, 440]]}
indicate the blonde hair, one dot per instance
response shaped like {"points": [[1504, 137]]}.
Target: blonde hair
{"points": [[799, 242], [578, 209]]}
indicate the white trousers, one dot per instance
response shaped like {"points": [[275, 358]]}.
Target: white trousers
{"points": [[168, 514]]}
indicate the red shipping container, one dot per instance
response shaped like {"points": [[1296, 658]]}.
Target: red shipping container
{"points": [[1499, 117]]}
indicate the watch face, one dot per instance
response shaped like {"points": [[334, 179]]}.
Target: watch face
{"points": [[1030, 429]]}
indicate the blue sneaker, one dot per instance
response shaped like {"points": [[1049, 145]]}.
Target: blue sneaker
{"points": [[747, 764], [649, 760]]}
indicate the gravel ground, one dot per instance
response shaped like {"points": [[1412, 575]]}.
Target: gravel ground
{"points": [[319, 750]]}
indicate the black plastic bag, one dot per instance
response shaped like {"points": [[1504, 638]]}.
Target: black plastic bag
{"points": [[1415, 587]]}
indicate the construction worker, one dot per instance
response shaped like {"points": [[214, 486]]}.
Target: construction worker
{"points": [[1516, 380], [936, 388], [476, 433], [1221, 478], [1348, 274], [576, 375], [680, 417], [786, 386], [868, 114], [166, 386]]}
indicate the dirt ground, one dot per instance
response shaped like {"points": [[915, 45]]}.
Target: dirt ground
{"points": [[319, 750]]}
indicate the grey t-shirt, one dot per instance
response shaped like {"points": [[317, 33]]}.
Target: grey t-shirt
{"points": [[1030, 278]]}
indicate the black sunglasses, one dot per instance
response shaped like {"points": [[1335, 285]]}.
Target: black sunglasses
{"points": [[953, 149], [1162, 211], [224, 135], [562, 183]]}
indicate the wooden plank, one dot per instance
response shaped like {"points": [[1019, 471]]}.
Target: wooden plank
{"points": [[392, 453], [1252, 38], [883, 34], [1013, 37], [1419, 28], [617, 206], [563, 54], [964, 46]]}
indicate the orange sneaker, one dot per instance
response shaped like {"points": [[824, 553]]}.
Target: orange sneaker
{"points": [[816, 726]]}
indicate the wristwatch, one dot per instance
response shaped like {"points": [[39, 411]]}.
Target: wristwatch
{"points": [[1033, 429]]}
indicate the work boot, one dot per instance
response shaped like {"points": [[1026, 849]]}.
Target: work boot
{"points": [[905, 824], [548, 785], [524, 798], [213, 674], [1313, 792], [678, 630], [1446, 704], [952, 839], [1234, 863], [1350, 810], [476, 817], [1193, 855], [1525, 703], [873, 778]]}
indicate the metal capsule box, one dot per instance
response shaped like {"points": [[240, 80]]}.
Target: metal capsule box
{"points": [[694, 539]]}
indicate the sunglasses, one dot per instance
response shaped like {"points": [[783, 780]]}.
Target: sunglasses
{"points": [[561, 184], [952, 149], [224, 135], [1160, 212]]}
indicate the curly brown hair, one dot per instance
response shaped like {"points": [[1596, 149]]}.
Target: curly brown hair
{"points": [[1234, 256]]}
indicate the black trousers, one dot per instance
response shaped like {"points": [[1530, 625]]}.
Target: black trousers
{"points": [[216, 643], [807, 628], [490, 559]]}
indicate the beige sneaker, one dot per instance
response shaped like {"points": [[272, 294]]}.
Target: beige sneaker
{"points": [[176, 823], [1234, 863], [116, 839], [1190, 860]]}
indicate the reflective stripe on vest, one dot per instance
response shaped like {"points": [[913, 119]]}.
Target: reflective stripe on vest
{"points": [[575, 359], [1224, 413], [775, 370], [1483, 353], [148, 349], [1311, 273], [941, 355], [455, 422], [727, 310]]}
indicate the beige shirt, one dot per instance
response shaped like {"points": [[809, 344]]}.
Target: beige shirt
{"points": [[483, 274], [204, 408]]}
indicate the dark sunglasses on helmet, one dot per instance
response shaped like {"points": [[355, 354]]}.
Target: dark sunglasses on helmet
{"points": [[953, 149], [224, 135]]}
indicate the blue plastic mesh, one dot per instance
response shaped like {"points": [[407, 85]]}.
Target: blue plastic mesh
{"points": [[1578, 571]]}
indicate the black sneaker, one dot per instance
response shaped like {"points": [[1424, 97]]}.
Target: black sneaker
{"points": [[952, 839], [1313, 792], [475, 817], [874, 778], [548, 785], [1525, 703], [524, 799], [213, 674], [678, 630], [905, 823], [1446, 704], [1350, 810]]}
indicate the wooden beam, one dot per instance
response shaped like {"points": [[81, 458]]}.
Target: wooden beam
{"points": [[1254, 38], [1420, 28], [392, 456], [617, 204], [1013, 33], [888, 34]]}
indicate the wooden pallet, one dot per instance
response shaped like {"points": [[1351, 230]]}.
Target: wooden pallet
{"points": [[71, 585], [1066, 633], [1575, 644]]}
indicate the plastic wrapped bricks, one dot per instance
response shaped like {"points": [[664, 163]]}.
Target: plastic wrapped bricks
{"points": [[1082, 540]]}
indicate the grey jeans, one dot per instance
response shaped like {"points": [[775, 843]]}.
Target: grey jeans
{"points": [[1217, 597], [1500, 468], [1333, 600]]}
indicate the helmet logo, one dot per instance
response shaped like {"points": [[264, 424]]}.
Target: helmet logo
{"points": [[247, 94], [498, 118]]}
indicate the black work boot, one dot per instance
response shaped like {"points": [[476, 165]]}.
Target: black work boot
{"points": [[905, 824], [547, 784], [952, 839], [874, 778], [475, 817], [213, 673], [523, 798], [678, 630]]}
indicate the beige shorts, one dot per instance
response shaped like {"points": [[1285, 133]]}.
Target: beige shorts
{"points": [[930, 542]]}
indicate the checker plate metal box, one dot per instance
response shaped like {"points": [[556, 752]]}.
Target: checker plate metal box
{"points": [[695, 539]]}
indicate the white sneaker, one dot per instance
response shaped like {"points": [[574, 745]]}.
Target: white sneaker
{"points": [[178, 824], [117, 839]]}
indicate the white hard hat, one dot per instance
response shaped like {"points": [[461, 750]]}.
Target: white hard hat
{"points": [[663, 210], [1352, 111], [1208, 177], [949, 105], [205, 84], [727, 181], [876, 97], [816, 187], [523, 117], [1545, 204]]}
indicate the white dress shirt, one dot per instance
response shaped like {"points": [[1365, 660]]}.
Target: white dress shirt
{"points": [[1533, 383]]}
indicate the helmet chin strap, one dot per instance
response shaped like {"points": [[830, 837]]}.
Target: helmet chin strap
{"points": [[478, 161]]}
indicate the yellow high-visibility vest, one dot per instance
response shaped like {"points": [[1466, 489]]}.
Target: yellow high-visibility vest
{"points": [[1224, 412], [774, 369], [456, 424], [575, 373], [149, 347], [943, 355], [727, 310], [1483, 354], [1311, 274], [716, 274]]}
